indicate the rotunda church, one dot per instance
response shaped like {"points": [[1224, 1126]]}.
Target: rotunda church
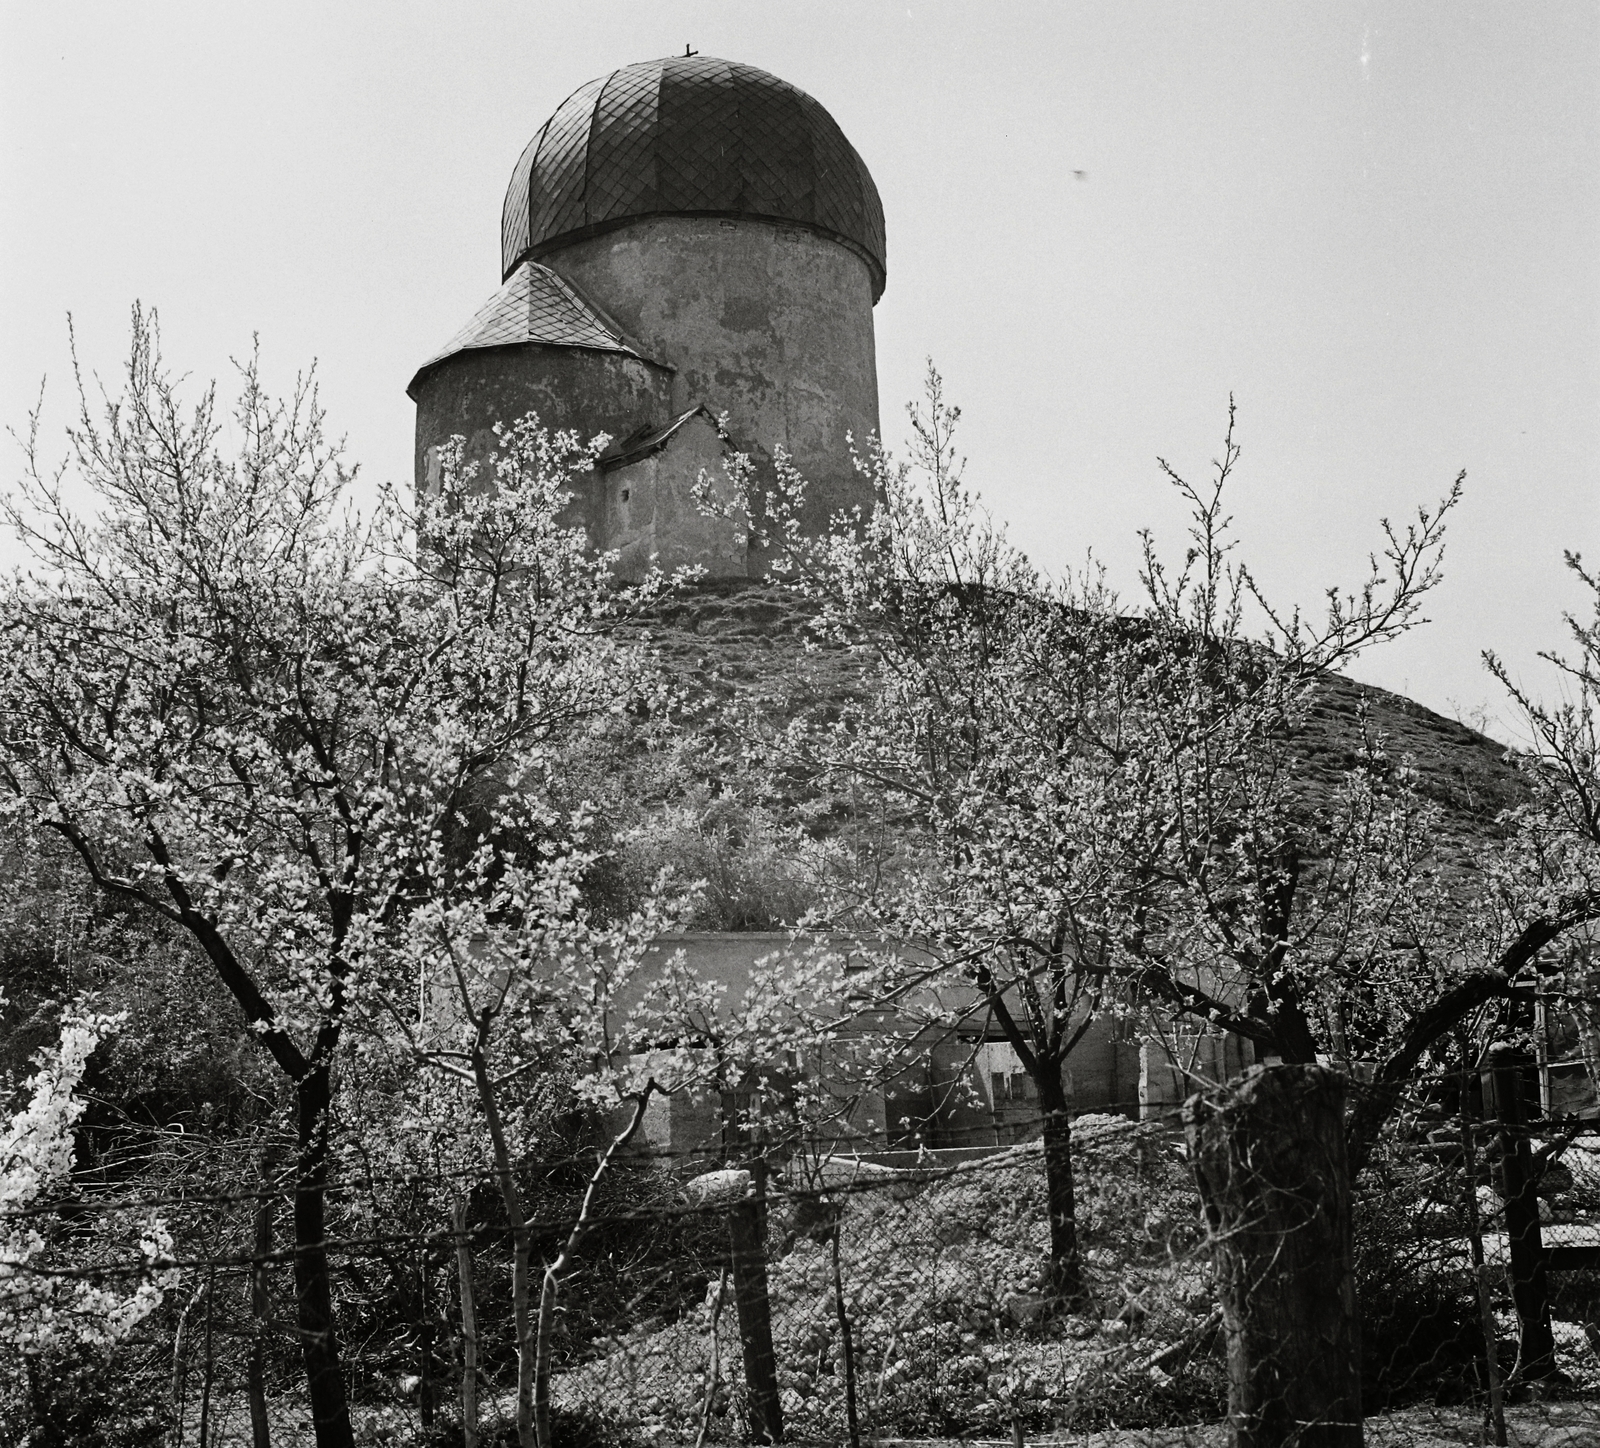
{"points": [[683, 240]]}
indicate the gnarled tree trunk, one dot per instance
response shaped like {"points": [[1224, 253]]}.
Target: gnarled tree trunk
{"points": [[1269, 1157]]}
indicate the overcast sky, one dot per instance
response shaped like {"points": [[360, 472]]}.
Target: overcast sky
{"points": [[1378, 225]]}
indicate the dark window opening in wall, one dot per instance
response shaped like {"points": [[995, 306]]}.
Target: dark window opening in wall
{"points": [[911, 1120], [625, 495], [741, 1113], [999, 1089]]}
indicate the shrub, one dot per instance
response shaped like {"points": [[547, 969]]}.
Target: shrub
{"points": [[1420, 1335], [84, 1399]]}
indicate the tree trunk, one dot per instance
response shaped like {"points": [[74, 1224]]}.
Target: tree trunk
{"points": [[319, 1344], [544, 1329], [747, 1234], [180, 1365], [469, 1326], [714, 1367], [521, 1245], [555, 1270], [1480, 1273], [847, 1351], [1269, 1159], [209, 1363], [524, 1324], [1064, 1275]]}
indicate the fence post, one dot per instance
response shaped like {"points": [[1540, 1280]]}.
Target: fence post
{"points": [[846, 1345], [469, 1323], [747, 1234], [1536, 1351], [1491, 1346], [256, 1364], [1269, 1159]]}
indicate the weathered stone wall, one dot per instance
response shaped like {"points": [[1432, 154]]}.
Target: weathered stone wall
{"points": [[983, 1097], [771, 325], [955, 1091], [648, 512], [590, 392]]}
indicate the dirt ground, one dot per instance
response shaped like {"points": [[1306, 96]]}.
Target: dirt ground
{"points": [[1528, 1425]]}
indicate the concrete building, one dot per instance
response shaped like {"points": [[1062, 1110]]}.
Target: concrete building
{"points": [[682, 241], [963, 1089]]}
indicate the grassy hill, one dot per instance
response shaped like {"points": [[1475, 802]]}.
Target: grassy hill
{"points": [[727, 639]]}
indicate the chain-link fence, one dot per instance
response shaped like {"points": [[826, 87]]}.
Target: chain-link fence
{"points": [[921, 1293], [905, 1297]]}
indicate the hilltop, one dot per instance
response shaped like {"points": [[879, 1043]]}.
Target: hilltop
{"points": [[754, 640]]}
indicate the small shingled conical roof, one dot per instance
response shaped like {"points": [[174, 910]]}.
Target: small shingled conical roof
{"points": [[535, 305], [689, 135]]}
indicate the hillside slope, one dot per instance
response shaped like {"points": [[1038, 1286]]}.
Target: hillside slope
{"points": [[752, 640]]}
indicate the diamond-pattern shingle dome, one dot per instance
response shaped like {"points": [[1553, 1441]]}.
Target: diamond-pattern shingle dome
{"points": [[689, 135]]}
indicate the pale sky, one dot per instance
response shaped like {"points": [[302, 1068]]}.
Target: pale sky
{"points": [[1378, 225]]}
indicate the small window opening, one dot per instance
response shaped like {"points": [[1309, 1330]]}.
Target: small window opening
{"points": [[624, 495]]}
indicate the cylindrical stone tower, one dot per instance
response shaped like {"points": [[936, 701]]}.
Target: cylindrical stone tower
{"points": [[710, 231]]}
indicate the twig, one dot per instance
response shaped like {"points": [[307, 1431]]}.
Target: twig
{"points": [[714, 1367]]}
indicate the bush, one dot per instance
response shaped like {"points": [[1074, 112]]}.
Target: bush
{"points": [[83, 1399], [1420, 1334]]}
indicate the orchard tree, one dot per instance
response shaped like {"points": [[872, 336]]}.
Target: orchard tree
{"points": [[1302, 919], [1328, 925], [985, 748], [272, 723], [516, 978], [1134, 776], [1323, 922], [50, 1298], [1108, 800]]}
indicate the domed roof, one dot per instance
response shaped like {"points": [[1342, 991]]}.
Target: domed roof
{"points": [[689, 135]]}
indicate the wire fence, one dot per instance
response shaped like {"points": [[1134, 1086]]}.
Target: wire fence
{"points": [[921, 1293], [907, 1298]]}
